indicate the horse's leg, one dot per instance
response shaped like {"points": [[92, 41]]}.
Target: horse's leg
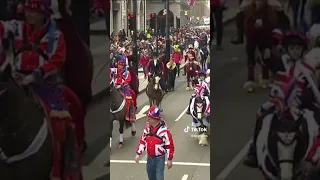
{"points": [[121, 130], [110, 135], [150, 102], [133, 129]]}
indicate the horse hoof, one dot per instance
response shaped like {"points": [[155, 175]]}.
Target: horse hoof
{"points": [[133, 133], [120, 144]]}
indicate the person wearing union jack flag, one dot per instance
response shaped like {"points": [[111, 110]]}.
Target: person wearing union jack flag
{"points": [[157, 140]]}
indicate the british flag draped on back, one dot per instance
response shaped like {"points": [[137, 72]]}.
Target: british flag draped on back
{"points": [[191, 2]]}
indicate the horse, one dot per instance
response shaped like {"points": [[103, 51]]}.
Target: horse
{"points": [[283, 143], [197, 108], [204, 53], [191, 68], [24, 120], [153, 91], [118, 112]]}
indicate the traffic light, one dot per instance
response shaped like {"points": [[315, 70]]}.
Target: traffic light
{"points": [[131, 20], [153, 20]]}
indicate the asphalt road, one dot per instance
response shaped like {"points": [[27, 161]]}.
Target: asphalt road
{"points": [[233, 114]]}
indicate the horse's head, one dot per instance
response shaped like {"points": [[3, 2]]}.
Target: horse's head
{"points": [[287, 135], [155, 80], [200, 106]]}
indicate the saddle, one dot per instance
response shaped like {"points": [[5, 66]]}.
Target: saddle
{"points": [[65, 142], [130, 105]]}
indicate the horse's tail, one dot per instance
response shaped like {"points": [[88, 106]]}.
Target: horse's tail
{"points": [[127, 124]]}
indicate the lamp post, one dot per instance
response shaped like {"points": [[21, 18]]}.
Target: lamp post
{"points": [[134, 39], [167, 31]]}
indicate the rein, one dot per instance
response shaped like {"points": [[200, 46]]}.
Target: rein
{"points": [[120, 107]]}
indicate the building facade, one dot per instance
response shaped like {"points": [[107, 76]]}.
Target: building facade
{"points": [[182, 12]]}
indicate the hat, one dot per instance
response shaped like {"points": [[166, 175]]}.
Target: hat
{"points": [[190, 46], [154, 113], [122, 63], [42, 6]]}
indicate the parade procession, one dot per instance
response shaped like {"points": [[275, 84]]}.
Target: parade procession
{"points": [[121, 90], [160, 90]]}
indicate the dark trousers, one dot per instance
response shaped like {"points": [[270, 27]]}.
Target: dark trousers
{"points": [[178, 69], [250, 50], [171, 78], [217, 24]]}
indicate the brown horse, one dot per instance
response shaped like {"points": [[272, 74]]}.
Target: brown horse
{"points": [[153, 90]]}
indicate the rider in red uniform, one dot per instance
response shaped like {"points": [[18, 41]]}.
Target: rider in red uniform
{"points": [[39, 54], [122, 78]]}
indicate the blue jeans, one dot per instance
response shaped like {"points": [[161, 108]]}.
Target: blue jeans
{"points": [[155, 167]]}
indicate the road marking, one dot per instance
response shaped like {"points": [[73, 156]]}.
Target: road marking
{"points": [[180, 116], [185, 177], [142, 112], [234, 162], [175, 163], [144, 109]]}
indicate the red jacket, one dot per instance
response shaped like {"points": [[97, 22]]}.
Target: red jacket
{"points": [[158, 143], [177, 57], [30, 60], [144, 60], [102, 4]]}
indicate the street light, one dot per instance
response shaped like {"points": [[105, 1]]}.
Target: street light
{"points": [[131, 21]]}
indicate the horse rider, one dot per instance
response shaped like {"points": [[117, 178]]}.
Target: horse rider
{"points": [[295, 44], [156, 67], [199, 93], [190, 51], [39, 54], [122, 78], [201, 88]]}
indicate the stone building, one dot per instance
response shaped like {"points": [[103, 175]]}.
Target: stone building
{"points": [[120, 9]]}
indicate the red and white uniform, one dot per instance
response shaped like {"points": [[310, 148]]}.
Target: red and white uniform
{"points": [[155, 146], [123, 75], [30, 60]]}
